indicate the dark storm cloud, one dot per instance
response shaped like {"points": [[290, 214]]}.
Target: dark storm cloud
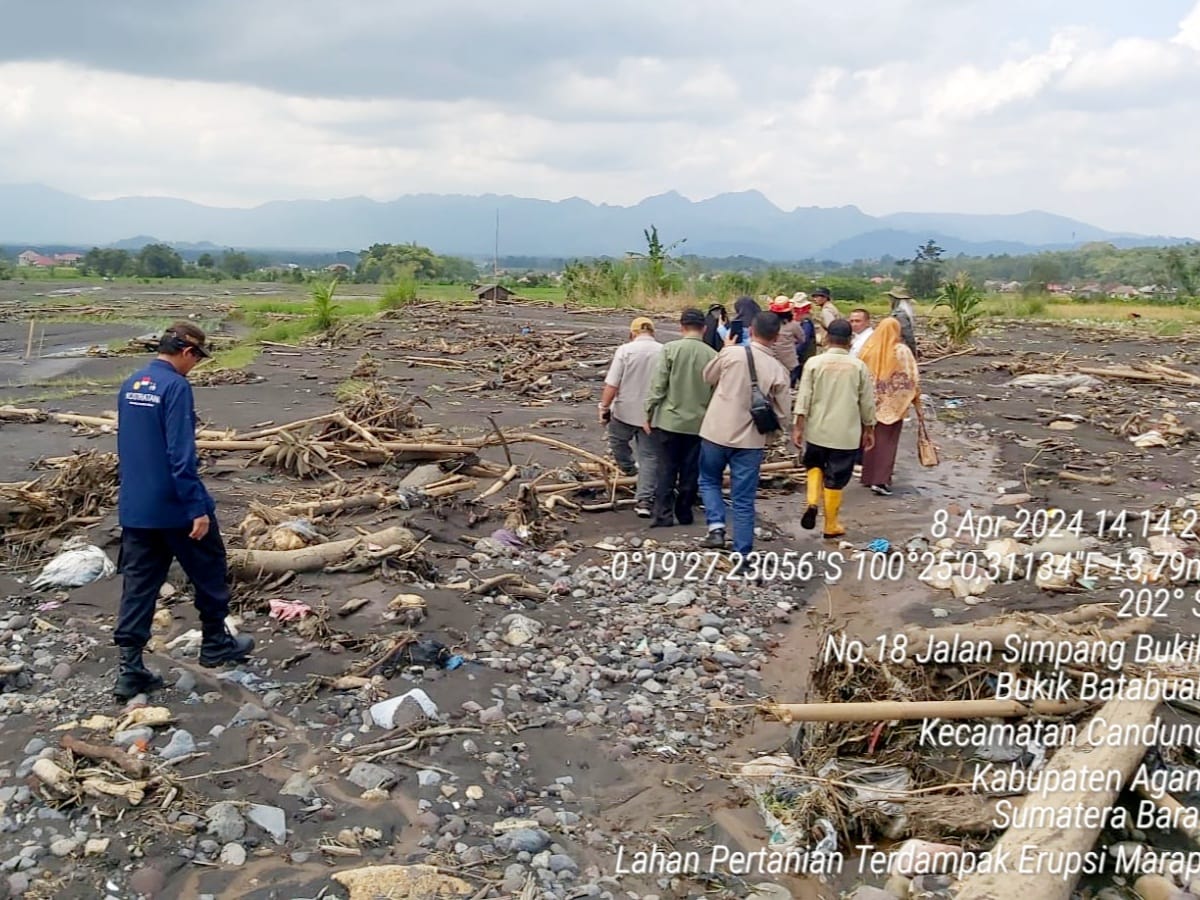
{"points": [[439, 51]]}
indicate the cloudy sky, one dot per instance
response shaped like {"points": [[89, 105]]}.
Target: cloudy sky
{"points": [[1081, 107]]}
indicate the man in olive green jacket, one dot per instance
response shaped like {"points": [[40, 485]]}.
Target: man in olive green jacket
{"points": [[675, 409]]}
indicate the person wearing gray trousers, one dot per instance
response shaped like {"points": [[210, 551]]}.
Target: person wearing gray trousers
{"points": [[623, 440]]}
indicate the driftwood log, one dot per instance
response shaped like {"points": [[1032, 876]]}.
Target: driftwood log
{"points": [[130, 765], [253, 563], [17, 414], [1050, 884]]}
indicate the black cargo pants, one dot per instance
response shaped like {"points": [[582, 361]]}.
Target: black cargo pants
{"points": [[145, 560]]}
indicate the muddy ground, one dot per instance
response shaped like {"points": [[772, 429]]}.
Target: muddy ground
{"points": [[595, 784]]}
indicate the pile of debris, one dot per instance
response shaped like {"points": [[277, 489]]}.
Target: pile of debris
{"points": [[858, 768], [82, 487]]}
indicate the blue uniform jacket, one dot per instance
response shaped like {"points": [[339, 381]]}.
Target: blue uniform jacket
{"points": [[156, 446]]}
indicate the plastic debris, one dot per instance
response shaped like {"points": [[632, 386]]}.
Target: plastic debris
{"points": [[387, 713], [508, 538], [295, 534], [289, 610], [77, 564], [880, 545]]}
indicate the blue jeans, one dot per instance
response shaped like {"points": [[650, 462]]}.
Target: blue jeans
{"points": [[744, 466]]}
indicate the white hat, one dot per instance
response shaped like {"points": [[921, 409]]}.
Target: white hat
{"points": [[798, 298]]}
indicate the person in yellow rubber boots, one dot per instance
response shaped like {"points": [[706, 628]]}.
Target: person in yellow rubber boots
{"points": [[834, 414]]}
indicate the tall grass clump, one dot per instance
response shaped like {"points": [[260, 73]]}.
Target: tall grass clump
{"points": [[400, 292], [324, 309]]}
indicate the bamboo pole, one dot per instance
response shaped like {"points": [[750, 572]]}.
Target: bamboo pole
{"points": [[290, 426], [29, 343], [902, 710]]}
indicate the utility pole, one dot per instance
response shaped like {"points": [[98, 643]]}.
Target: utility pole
{"points": [[496, 249]]}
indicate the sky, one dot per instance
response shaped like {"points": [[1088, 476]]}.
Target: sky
{"points": [[1087, 109]]}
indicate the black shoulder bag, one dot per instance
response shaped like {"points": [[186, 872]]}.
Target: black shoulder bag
{"points": [[761, 410]]}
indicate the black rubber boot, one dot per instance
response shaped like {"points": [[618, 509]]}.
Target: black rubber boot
{"points": [[133, 677], [219, 646]]}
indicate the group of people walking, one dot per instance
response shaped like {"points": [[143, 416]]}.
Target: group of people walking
{"points": [[682, 414]]}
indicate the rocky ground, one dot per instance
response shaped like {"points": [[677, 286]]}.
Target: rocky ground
{"points": [[605, 718]]}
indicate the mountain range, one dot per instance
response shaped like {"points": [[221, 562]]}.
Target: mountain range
{"points": [[744, 223]]}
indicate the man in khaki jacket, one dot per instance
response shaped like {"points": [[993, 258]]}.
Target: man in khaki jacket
{"points": [[826, 314], [728, 436]]}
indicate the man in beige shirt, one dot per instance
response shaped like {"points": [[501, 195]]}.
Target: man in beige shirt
{"points": [[623, 409], [729, 438], [834, 415]]}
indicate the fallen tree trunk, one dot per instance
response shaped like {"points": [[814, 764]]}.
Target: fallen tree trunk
{"points": [[1049, 882], [326, 507], [904, 710], [1162, 375], [254, 563]]}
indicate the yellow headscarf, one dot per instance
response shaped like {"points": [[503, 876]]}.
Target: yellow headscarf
{"points": [[879, 352]]}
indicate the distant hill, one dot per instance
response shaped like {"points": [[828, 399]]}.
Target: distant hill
{"points": [[738, 224]]}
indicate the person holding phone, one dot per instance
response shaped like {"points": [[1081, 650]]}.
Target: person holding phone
{"points": [[166, 513], [738, 330]]}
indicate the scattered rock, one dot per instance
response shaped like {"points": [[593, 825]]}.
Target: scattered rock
{"points": [[270, 819], [233, 855], [299, 785], [181, 744], [225, 823], [524, 840], [369, 775], [64, 847], [148, 881]]}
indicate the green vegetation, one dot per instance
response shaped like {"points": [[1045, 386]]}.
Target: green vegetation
{"points": [[325, 311], [350, 389], [925, 271], [964, 301], [288, 332], [657, 264], [63, 388], [400, 292], [239, 356], [390, 262]]}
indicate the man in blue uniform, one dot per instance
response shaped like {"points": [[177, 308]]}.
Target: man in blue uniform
{"points": [[166, 513]]}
